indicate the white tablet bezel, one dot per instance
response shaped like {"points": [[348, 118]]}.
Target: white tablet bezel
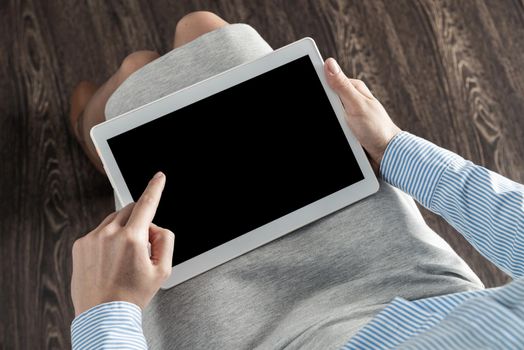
{"points": [[268, 232]]}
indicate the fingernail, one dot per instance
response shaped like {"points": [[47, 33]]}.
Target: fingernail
{"points": [[332, 66], [158, 175]]}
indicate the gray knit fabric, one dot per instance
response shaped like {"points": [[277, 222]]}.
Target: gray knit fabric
{"points": [[313, 288]]}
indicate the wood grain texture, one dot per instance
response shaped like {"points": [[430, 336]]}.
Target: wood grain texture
{"points": [[449, 71]]}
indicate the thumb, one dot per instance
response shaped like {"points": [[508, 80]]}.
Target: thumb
{"points": [[341, 84], [162, 245]]}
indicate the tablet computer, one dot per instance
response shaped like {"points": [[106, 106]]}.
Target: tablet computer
{"points": [[249, 155]]}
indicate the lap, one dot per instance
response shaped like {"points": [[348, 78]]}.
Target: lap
{"points": [[316, 286]]}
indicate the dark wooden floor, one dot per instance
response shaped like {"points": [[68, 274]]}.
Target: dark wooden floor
{"points": [[450, 71]]}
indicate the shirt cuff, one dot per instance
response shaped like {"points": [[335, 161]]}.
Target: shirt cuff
{"points": [[415, 166], [117, 324]]}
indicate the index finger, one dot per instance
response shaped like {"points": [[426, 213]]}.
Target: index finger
{"points": [[145, 208]]}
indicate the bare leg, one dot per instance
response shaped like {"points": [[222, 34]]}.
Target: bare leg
{"points": [[194, 24], [88, 102]]}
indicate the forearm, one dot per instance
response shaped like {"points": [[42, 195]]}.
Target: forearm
{"points": [[485, 207], [115, 325]]}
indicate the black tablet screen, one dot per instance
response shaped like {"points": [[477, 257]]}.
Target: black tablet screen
{"points": [[240, 158]]}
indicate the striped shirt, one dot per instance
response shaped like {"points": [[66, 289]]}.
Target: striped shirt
{"points": [[485, 207], [488, 210]]}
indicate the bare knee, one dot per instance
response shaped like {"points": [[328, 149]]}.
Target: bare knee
{"points": [[135, 61], [195, 24]]}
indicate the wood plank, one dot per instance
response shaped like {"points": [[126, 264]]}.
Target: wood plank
{"points": [[10, 142], [40, 196]]}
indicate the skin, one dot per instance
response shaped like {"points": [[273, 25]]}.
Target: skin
{"points": [[365, 115], [112, 262]]}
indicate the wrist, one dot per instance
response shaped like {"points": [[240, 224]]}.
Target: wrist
{"points": [[115, 297], [115, 304], [385, 148], [378, 155]]}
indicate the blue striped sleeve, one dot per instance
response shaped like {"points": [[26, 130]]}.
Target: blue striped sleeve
{"points": [[485, 207], [114, 325]]}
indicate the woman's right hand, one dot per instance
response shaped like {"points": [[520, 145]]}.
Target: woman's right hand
{"points": [[113, 263], [365, 115]]}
